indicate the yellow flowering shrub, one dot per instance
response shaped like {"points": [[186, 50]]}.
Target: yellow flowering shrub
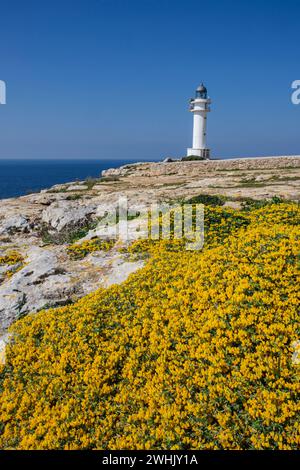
{"points": [[11, 258], [219, 223], [194, 351], [80, 250]]}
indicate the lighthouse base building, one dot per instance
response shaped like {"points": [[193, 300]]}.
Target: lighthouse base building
{"points": [[194, 152], [199, 106]]}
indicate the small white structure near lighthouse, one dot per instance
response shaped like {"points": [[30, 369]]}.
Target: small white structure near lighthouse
{"points": [[199, 106]]}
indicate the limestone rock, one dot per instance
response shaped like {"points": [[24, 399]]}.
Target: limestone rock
{"points": [[117, 269], [62, 214], [77, 187], [3, 342], [233, 204], [45, 282], [296, 353], [31, 288], [45, 198], [121, 270], [17, 223]]}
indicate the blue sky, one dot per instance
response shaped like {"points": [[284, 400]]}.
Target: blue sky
{"points": [[112, 78]]}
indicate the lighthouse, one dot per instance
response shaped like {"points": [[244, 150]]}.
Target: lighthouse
{"points": [[199, 106]]}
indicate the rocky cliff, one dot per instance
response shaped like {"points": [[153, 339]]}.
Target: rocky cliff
{"points": [[36, 268]]}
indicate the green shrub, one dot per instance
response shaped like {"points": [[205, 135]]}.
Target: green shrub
{"points": [[207, 199], [250, 204], [191, 158]]}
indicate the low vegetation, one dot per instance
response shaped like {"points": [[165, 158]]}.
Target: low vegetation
{"points": [[207, 199], [194, 351], [12, 261], [91, 182], [191, 158], [68, 235], [80, 250], [11, 258]]}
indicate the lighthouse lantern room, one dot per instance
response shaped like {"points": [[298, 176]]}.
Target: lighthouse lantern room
{"points": [[199, 106]]}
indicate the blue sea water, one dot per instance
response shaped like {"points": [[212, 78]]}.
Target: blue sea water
{"points": [[20, 177]]}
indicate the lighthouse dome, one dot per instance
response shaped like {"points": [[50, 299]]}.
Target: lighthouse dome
{"points": [[201, 88], [201, 91]]}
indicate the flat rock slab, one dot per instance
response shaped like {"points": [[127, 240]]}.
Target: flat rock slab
{"points": [[77, 187], [23, 292], [16, 223]]}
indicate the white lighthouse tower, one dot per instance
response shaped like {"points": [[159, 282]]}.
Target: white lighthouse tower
{"points": [[199, 107]]}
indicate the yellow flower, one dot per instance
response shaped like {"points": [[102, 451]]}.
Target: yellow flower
{"points": [[192, 351]]}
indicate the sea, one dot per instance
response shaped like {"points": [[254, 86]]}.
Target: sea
{"points": [[21, 177]]}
